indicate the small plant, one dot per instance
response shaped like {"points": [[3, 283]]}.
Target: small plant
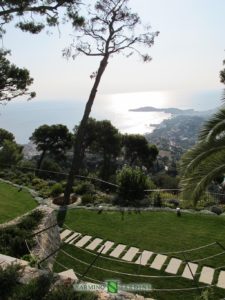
{"points": [[31, 259], [216, 210], [56, 190], [84, 187], [88, 199], [157, 200]]}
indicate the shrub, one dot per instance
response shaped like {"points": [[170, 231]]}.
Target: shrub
{"points": [[36, 289], [84, 187], [12, 238], [41, 186], [157, 200], [8, 280], [132, 183], [174, 202], [216, 210], [88, 199], [103, 198], [56, 190]]}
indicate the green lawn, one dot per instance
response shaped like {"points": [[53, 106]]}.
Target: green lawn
{"points": [[156, 231], [14, 203]]}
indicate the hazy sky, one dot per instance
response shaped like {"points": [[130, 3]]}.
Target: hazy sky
{"points": [[187, 54]]}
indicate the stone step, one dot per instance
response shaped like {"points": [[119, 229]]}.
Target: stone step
{"points": [[187, 273], [118, 250], [68, 274], [173, 266], [94, 244], [158, 262], [71, 237], [144, 258], [65, 233], [83, 241], [221, 280], [107, 246], [207, 274], [130, 254], [8, 260]]}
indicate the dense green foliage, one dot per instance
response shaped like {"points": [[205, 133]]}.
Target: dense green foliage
{"points": [[138, 151], [14, 82], [52, 139], [12, 238], [56, 190], [40, 288], [205, 162], [5, 135], [10, 153], [132, 184], [33, 15]]}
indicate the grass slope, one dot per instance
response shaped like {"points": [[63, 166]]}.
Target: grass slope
{"points": [[14, 203], [156, 231]]}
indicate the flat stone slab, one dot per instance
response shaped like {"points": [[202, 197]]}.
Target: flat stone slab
{"points": [[83, 241], [173, 266], [65, 233], [68, 274], [118, 250], [79, 235], [158, 261], [7, 260], [144, 258], [94, 244], [207, 275], [72, 237], [107, 246], [187, 273], [130, 254], [221, 280]]}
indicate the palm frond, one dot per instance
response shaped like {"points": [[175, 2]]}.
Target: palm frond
{"points": [[217, 120], [196, 182], [199, 153]]}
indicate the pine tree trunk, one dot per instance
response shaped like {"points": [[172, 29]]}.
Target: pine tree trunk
{"points": [[41, 159], [78, 150]]}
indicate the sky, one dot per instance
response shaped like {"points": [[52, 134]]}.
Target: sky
{"points": [[187, 55]]}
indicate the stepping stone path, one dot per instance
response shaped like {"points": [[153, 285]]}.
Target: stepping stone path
{"points": [[144, 258], [65, 233], [129, 255], [173, 266], [158, 261], [94, 244], [83, 241], [106, 247], [118, 250], [207, 275], [221, 280], [190, 269], [72, 238]]}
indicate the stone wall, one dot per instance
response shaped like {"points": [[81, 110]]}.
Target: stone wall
{"points": [[48, 240]]}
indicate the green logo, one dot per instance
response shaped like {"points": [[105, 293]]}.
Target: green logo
{"points": [[112, 287]]}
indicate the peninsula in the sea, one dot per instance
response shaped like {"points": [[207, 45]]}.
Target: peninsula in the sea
{"points": [[173, 111]]}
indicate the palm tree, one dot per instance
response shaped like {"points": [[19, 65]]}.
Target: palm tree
{"points": [[205, 162]]}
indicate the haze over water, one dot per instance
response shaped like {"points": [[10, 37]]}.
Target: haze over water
{"points": [[22, 117]]}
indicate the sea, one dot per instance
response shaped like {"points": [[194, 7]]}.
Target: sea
{"points": [[21, 117]]}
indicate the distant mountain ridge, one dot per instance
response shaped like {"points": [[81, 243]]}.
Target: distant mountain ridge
{"points": [[174, 111]]}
